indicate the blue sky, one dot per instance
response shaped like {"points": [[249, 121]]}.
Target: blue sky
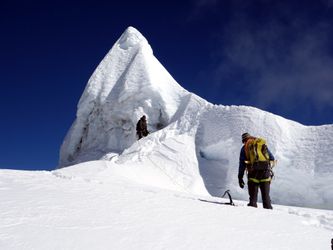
{"points": [[274, 55]]}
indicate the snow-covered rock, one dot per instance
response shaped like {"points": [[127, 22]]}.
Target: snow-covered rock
{"points": [[193, 145]]}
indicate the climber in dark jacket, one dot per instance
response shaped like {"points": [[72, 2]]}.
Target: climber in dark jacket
{"points": [[256, 178], [141, 127]]}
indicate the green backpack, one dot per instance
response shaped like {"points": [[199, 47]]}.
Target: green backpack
{"points": [[257, 154]]}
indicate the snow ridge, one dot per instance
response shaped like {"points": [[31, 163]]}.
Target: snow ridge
{"points": [[194, 145], [128, 83]]}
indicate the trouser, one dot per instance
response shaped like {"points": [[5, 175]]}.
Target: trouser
{"points": [[140, 135], [264, 189]]}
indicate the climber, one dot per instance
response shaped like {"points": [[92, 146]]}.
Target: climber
{"points": [[141, 127], [256, 159]]}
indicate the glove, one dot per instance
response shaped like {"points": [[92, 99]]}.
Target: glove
{"points": [[241, 182]]}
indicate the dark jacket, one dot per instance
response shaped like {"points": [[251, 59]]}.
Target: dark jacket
{"points": [[242, 159], [141, 128]]}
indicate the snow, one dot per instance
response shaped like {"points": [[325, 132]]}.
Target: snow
{"points": [[112, 191], [128, 83], [94, 205], [193, 143], [304, 170]]}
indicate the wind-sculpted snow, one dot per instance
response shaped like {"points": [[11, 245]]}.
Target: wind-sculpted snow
{"points": [[94, 205], [193, 146], [304, 172], [128, 83]]}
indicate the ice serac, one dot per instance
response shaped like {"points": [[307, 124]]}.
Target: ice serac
{"points": [[128, 83], [193, 145], [304, 173]]}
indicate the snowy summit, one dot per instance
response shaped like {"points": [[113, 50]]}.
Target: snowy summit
{"points": [[194, 144], [113, 191], [128, 83]]}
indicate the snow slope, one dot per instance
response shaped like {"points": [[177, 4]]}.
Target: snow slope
{"points": [[193, 145], [97, 205]]}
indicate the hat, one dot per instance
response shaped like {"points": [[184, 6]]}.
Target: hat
{"points": [[245, 136]]}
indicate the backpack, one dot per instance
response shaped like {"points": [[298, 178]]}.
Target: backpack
{"points": [[257, 154]]}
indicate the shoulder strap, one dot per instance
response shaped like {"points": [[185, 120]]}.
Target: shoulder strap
{"points": [[247, 146]]}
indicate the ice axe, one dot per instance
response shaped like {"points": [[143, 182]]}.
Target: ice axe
{"points": [[230, 199]]}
